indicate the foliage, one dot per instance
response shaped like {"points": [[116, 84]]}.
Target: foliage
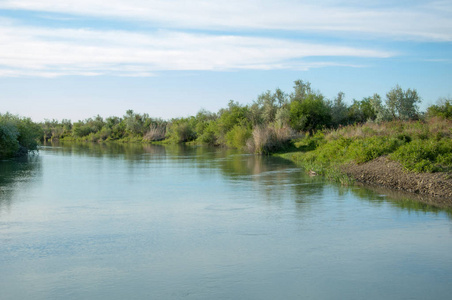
{"points": [[402, 104], [310, 114], [418, 146], [425, 156], [362, 111], [182, 130], [9, 144], [333, 130], [339, 110], [238, 136], [443, 109], [364, 150], [18, 135]]}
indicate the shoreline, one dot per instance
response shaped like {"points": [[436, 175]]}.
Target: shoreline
{"points": [[386, 174], [432, 188]]}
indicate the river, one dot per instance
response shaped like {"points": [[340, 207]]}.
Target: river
{"points": [[95, 221]]}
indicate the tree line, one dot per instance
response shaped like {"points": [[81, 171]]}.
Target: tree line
{"points": [[266, 125]]}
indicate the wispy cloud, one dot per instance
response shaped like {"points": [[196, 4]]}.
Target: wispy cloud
{"points": [[420, 20], [49, 52]]}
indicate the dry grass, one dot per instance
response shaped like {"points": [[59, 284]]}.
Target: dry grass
{"points": [[416, 129], [155, 133], [269, 139]]}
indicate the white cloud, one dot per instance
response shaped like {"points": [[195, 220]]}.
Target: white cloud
{"points": [[425, 20], [47, 52]]}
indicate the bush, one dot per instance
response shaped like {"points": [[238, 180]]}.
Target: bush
{"points": [[443, 109], [238, 136], [208, 135], [364, 150], [9, 144], [18, 135], [425, 156], [311, 114], [181, 130]]}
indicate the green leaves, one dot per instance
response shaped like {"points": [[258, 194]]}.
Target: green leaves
{"points": [[17, 135], [425, 155]]}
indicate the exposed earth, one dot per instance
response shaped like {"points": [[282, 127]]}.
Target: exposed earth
{"points": [[390, 174]]}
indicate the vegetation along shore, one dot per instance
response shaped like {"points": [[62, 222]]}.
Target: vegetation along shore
{"points": [[382, 141]]}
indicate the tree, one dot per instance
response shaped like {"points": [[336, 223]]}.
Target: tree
{"points": [[9, 144], [301, 90], [443, 109], [231, 116], [311, 114], [403, 104], [339, 110], [18, 135], [281, 97], [134, 123]]}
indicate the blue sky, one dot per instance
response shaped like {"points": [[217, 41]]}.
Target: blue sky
{"points": [[75, 59]]}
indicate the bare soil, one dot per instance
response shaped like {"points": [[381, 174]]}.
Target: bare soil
{"points": [[390, 174]]}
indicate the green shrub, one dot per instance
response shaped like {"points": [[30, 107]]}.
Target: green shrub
{"points": [[181, 130], [425, 156], [364, 150], [443, 109], [9, 144], [18, 135], [208, 135], [238, 136]]}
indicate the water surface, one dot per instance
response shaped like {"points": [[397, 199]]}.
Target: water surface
{"points": [[152, 222]]}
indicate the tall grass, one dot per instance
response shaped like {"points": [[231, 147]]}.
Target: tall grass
{"points": [[155, 133], [269, 139]]}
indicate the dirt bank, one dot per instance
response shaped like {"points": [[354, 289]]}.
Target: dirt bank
{"points": [[390, 174]]}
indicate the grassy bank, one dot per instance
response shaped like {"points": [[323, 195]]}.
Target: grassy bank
{"points": [[418, 146]]}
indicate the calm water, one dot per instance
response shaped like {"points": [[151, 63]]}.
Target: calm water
{"points": [[154, 222]]}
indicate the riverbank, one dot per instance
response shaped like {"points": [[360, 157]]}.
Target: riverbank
{"points": [[429, 188], [436, 187], [414, 157]]}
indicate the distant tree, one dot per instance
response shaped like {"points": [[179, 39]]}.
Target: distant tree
{"points": [[18, 135], [267, 106], [97, 123], [182, 130], [9, 144], [442, 109], [281, 97], [362, 111], [134, 123], [403, 104], [232, 115], [310, 114], [282, 117], [301, 90], [381, 111], [339, 110], [81, 129]]}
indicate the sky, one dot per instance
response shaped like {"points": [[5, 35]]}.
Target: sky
{"points": [[76, 59]]}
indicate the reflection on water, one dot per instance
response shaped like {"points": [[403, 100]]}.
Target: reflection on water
{"points": [[237, 166], [401, 200], [115, 221], [15, 174]]}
